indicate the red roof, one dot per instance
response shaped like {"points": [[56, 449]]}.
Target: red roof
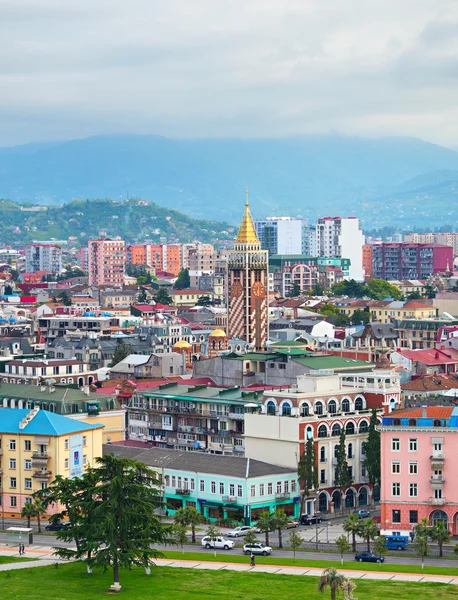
{"points": [[430, 412], [431, 383], [152, 307], [431, 356]]}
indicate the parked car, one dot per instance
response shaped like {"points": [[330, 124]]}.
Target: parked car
{"points": [[239, 531], [257, 549], [310, 520], [217, 542], [397, 542], [54, 527], [292, 524], [369, 557], [362, 514]]}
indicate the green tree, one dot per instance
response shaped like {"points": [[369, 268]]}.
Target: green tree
{"points": [[317, 290], [141, 280], [307, 471], [331, 579], [28, 512], [294, 541], [439, 533], [342, 475], [183, 280], [350, 288], [124, 504], [379, 289], [190, 517], [352, 526], [65, 298], [368, 530], [280, 522], [204, 301], [360, 316], [372, 447], [142, 296], [380, 545], [420, 545], [40, 509], [342, 320], [295, 291], [121, 352], [163, 297], [430, 291], [343, 546], [180, 534], [414, 296], [251, 537], [266, 524], [212, 530], [329, 310]]}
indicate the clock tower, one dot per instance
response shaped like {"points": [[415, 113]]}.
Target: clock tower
{"points": [[248, 285]]}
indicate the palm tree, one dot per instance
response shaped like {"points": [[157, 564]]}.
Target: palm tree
{"points": [[265, 524], [440, 534], [352, 525], [280, 521], [332, 579], [28, 512], [369, 531], [189, 517], [40, 509]]}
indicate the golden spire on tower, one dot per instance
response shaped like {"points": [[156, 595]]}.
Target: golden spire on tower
{"points": [[247, 232]]}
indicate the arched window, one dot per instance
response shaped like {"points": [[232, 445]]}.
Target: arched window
{"points": [[271, 407], [362, 496], [322, 454], [305, 410], [437, 516], [323, 502], [51, 407], [412, 422], [336, 429], [350, 428], [286, 409], [322, 431], [318, 408], [349, 499], [332, 407], [437, 423], [345, 405], [363, 427], [359, 404], [350, 450]]}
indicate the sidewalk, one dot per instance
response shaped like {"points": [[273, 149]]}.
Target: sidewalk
{"points": [[45, 557]]}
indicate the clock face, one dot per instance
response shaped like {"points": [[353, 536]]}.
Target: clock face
{"points": [[258, 289], [236, 289]]}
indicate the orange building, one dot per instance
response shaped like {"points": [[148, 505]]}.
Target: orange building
{"points": [[172, 258], [136, 254], [154, 254], [367, 259]]}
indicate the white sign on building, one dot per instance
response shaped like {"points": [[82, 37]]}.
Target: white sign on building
{"points": [[76, 456]]}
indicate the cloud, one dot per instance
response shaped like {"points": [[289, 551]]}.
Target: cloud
{"points": [[228, 68]]}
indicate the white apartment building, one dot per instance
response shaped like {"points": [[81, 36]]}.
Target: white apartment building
{"points": [[280, 235], [342, 238], [43, 257]]}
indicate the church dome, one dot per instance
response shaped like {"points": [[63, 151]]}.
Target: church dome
{"points": [[182, 345], [217, 333]]}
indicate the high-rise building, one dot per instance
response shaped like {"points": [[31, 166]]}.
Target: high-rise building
{"points": [[342, 238], [446, 239], [248, 285], [410, 261], [201, 261], [106, 262], [43, 257], [280, 235]]}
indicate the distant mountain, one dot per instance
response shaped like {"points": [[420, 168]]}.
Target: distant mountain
{"points": [[380, 180], [133, 220]]}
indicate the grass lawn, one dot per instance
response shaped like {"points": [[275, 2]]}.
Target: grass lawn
{"points": [[70, 582], [272, 560], [4, 560]]}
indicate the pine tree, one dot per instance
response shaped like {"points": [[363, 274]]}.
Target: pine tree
{"points": [[342, 475], [372, 462], [163, 297], [307, 471], [183, 280]]}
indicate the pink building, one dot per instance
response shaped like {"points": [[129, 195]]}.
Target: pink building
{"points": [[419, 450], [106, 262]]}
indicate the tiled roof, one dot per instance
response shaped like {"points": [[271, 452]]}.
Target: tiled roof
{"points": [[431, 356], [428, 412], [431, 383], [44, 423]]}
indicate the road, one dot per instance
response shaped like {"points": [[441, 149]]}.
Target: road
{"points": [[401, 559]]}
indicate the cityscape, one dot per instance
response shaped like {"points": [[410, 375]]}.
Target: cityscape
{"points": [[228, 333]]}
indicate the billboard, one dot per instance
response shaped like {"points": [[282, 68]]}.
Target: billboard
{"points": [[76, 456]]}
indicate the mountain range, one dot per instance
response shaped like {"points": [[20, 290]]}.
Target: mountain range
{"points": [[405, 182]]}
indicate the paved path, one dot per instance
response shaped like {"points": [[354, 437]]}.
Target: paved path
{"points": [[45, 557]]}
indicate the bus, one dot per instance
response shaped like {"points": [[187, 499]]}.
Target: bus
{"points": [[397, 542]]}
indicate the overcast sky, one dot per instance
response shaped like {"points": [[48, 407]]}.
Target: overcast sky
{"points": [[198, 68]]}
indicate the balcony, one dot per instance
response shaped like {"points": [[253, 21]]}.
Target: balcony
{"points": [[437, 501], [37, 454], [437, 460], [42, 475], [437, 478], [230, 499], [182, 492], [282, 495], [236, 416]]}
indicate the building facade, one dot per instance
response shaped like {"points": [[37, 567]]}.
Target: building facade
{"points": [[280, 235], [342, 238], [43, 257], [410, 261], [106, 262]]}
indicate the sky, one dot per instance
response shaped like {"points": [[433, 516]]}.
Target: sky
{"points": [[228, 68]]}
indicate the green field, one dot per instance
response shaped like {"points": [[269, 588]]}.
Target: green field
{"points": [[4, 560], [70, 582], [289, 562]]}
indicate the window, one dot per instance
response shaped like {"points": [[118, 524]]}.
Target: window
{"points": [[252, 491], [322, 454], [270, 489], [179, 482], [413, 468], [66, 446], [231, 489], [396, 516], [27, 445], [13, 482], [413, 516], [413, 490], [395, 467], [413, 444], [193, 485], [84, 460], [363, 470], [27, 464], [396, 489], [84, 440], [437, 447], [278, 487], [13, 501], [286, 487], [66, 463], [395, 444], [201, 485], [28, 483], [239, 491], [12, 445], [221, 488], [437, 494], [261, 489], [213, 487], [12, 463], [323, 476], [350, 450], [293, 485], [174, 481]]}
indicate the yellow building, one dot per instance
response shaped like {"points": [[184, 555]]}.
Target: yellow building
{"points": [[189, 298], [35, 446]]}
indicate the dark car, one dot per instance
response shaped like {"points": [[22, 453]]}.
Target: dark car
{"points": [[54, 527], [309, 520], [369, 557], [362, 514]]}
